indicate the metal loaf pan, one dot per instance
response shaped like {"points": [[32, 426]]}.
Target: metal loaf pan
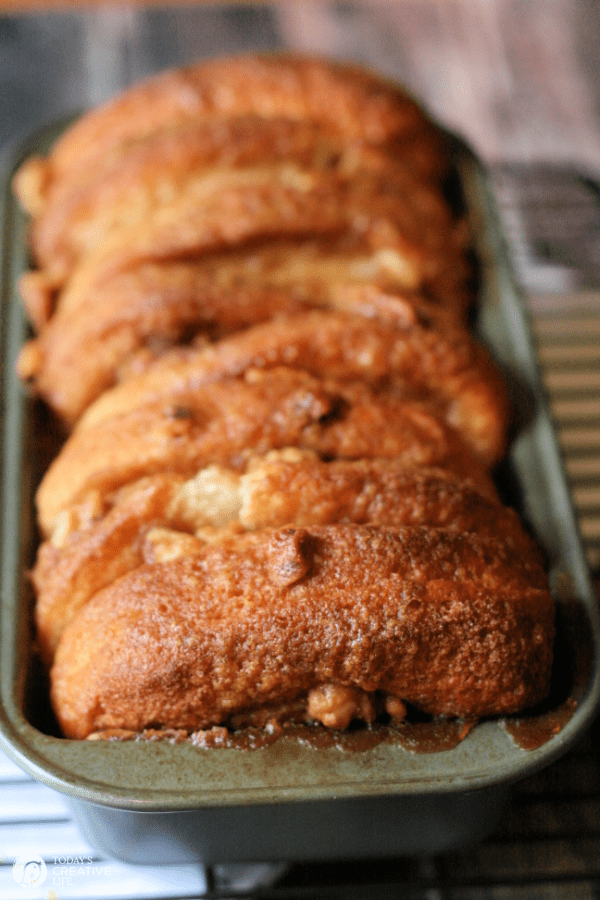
{"points": [[160, 802]]}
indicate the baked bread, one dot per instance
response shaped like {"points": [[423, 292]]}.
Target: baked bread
{"points": [[203, 160], [261, 204], [453, 624], [228, 421], [298, 198], [251, 300], [190, 121], [94, 335], [444, 368], [352, 102], [158, 517]]}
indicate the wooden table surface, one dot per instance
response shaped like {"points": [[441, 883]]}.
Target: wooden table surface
{"points": [[518, 77]]}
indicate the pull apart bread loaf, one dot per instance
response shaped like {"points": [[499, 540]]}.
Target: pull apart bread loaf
{"points": [[194, 206], [252, 288]]}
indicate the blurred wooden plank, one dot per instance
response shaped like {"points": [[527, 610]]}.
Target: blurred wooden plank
{"points": [[33, 7]]}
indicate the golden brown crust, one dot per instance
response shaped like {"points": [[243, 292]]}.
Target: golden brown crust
{"points": [[123, 177], [199, 158], [445, 368], [283, 501], [452, 623], [229, 420], [138, 314], [93, 336], [345, 98], [283, 200], [293, 487], [93, 556], [290, 487]]}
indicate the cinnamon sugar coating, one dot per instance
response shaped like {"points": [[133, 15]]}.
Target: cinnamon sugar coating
{"points": [[185, 177], [452, 623], [200, 159], [202, 216], [252, 305], [277, 201], [291, 487], [345, 98], [443, 367], [228, 421], [95, 334]]}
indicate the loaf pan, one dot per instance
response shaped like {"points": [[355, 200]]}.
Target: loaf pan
{"points": [[164, 803]]}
